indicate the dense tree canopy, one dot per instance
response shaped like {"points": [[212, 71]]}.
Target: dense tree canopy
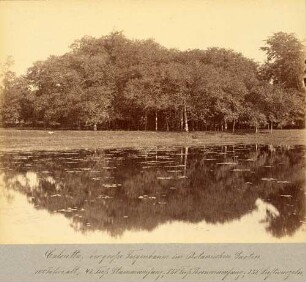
{"points": [[285, 60], [113, 82]]}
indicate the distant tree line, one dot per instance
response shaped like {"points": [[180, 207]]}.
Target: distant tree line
{"points": [[113, 83]]}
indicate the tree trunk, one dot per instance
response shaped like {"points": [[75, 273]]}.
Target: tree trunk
{"points": [[95, 127], [234, 122], [271, 127], [256, 129], [225, 125], [167, 123], [146, 121], [185, 160], [181, 155], [186, 118], [156, 120], [182, 121]]}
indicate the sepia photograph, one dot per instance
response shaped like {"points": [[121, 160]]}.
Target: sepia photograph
{"points": [[144, 121]]}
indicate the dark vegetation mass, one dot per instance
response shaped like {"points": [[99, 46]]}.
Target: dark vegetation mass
{"points": [[116, 83], [130, 189]]}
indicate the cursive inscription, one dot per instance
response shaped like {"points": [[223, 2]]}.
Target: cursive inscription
{"points": [[135, 264]]}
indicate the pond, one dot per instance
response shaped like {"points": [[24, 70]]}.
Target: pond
{"points": [[218, 194]]}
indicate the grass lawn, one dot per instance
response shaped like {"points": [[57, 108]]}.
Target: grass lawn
{"points": [[29, 140]]}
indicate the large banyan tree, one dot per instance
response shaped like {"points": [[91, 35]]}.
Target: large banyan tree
{"points": [[113, 82]]}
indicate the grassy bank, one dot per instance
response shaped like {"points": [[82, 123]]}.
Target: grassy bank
{"points": [[28, 140]]}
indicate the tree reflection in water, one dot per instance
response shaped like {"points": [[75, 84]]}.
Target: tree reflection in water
{"points": [[128, 189]]}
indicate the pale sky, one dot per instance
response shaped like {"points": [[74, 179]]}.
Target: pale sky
{"points": [[33, 30]]}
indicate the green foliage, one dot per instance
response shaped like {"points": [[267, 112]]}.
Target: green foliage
{"points": [[16, 104], [115, 82], [285, 60]]}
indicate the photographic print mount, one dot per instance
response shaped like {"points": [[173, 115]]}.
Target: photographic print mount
{"points": [[180, 126]]}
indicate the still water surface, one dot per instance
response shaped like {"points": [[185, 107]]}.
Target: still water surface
{"points": [[241, 193]]}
